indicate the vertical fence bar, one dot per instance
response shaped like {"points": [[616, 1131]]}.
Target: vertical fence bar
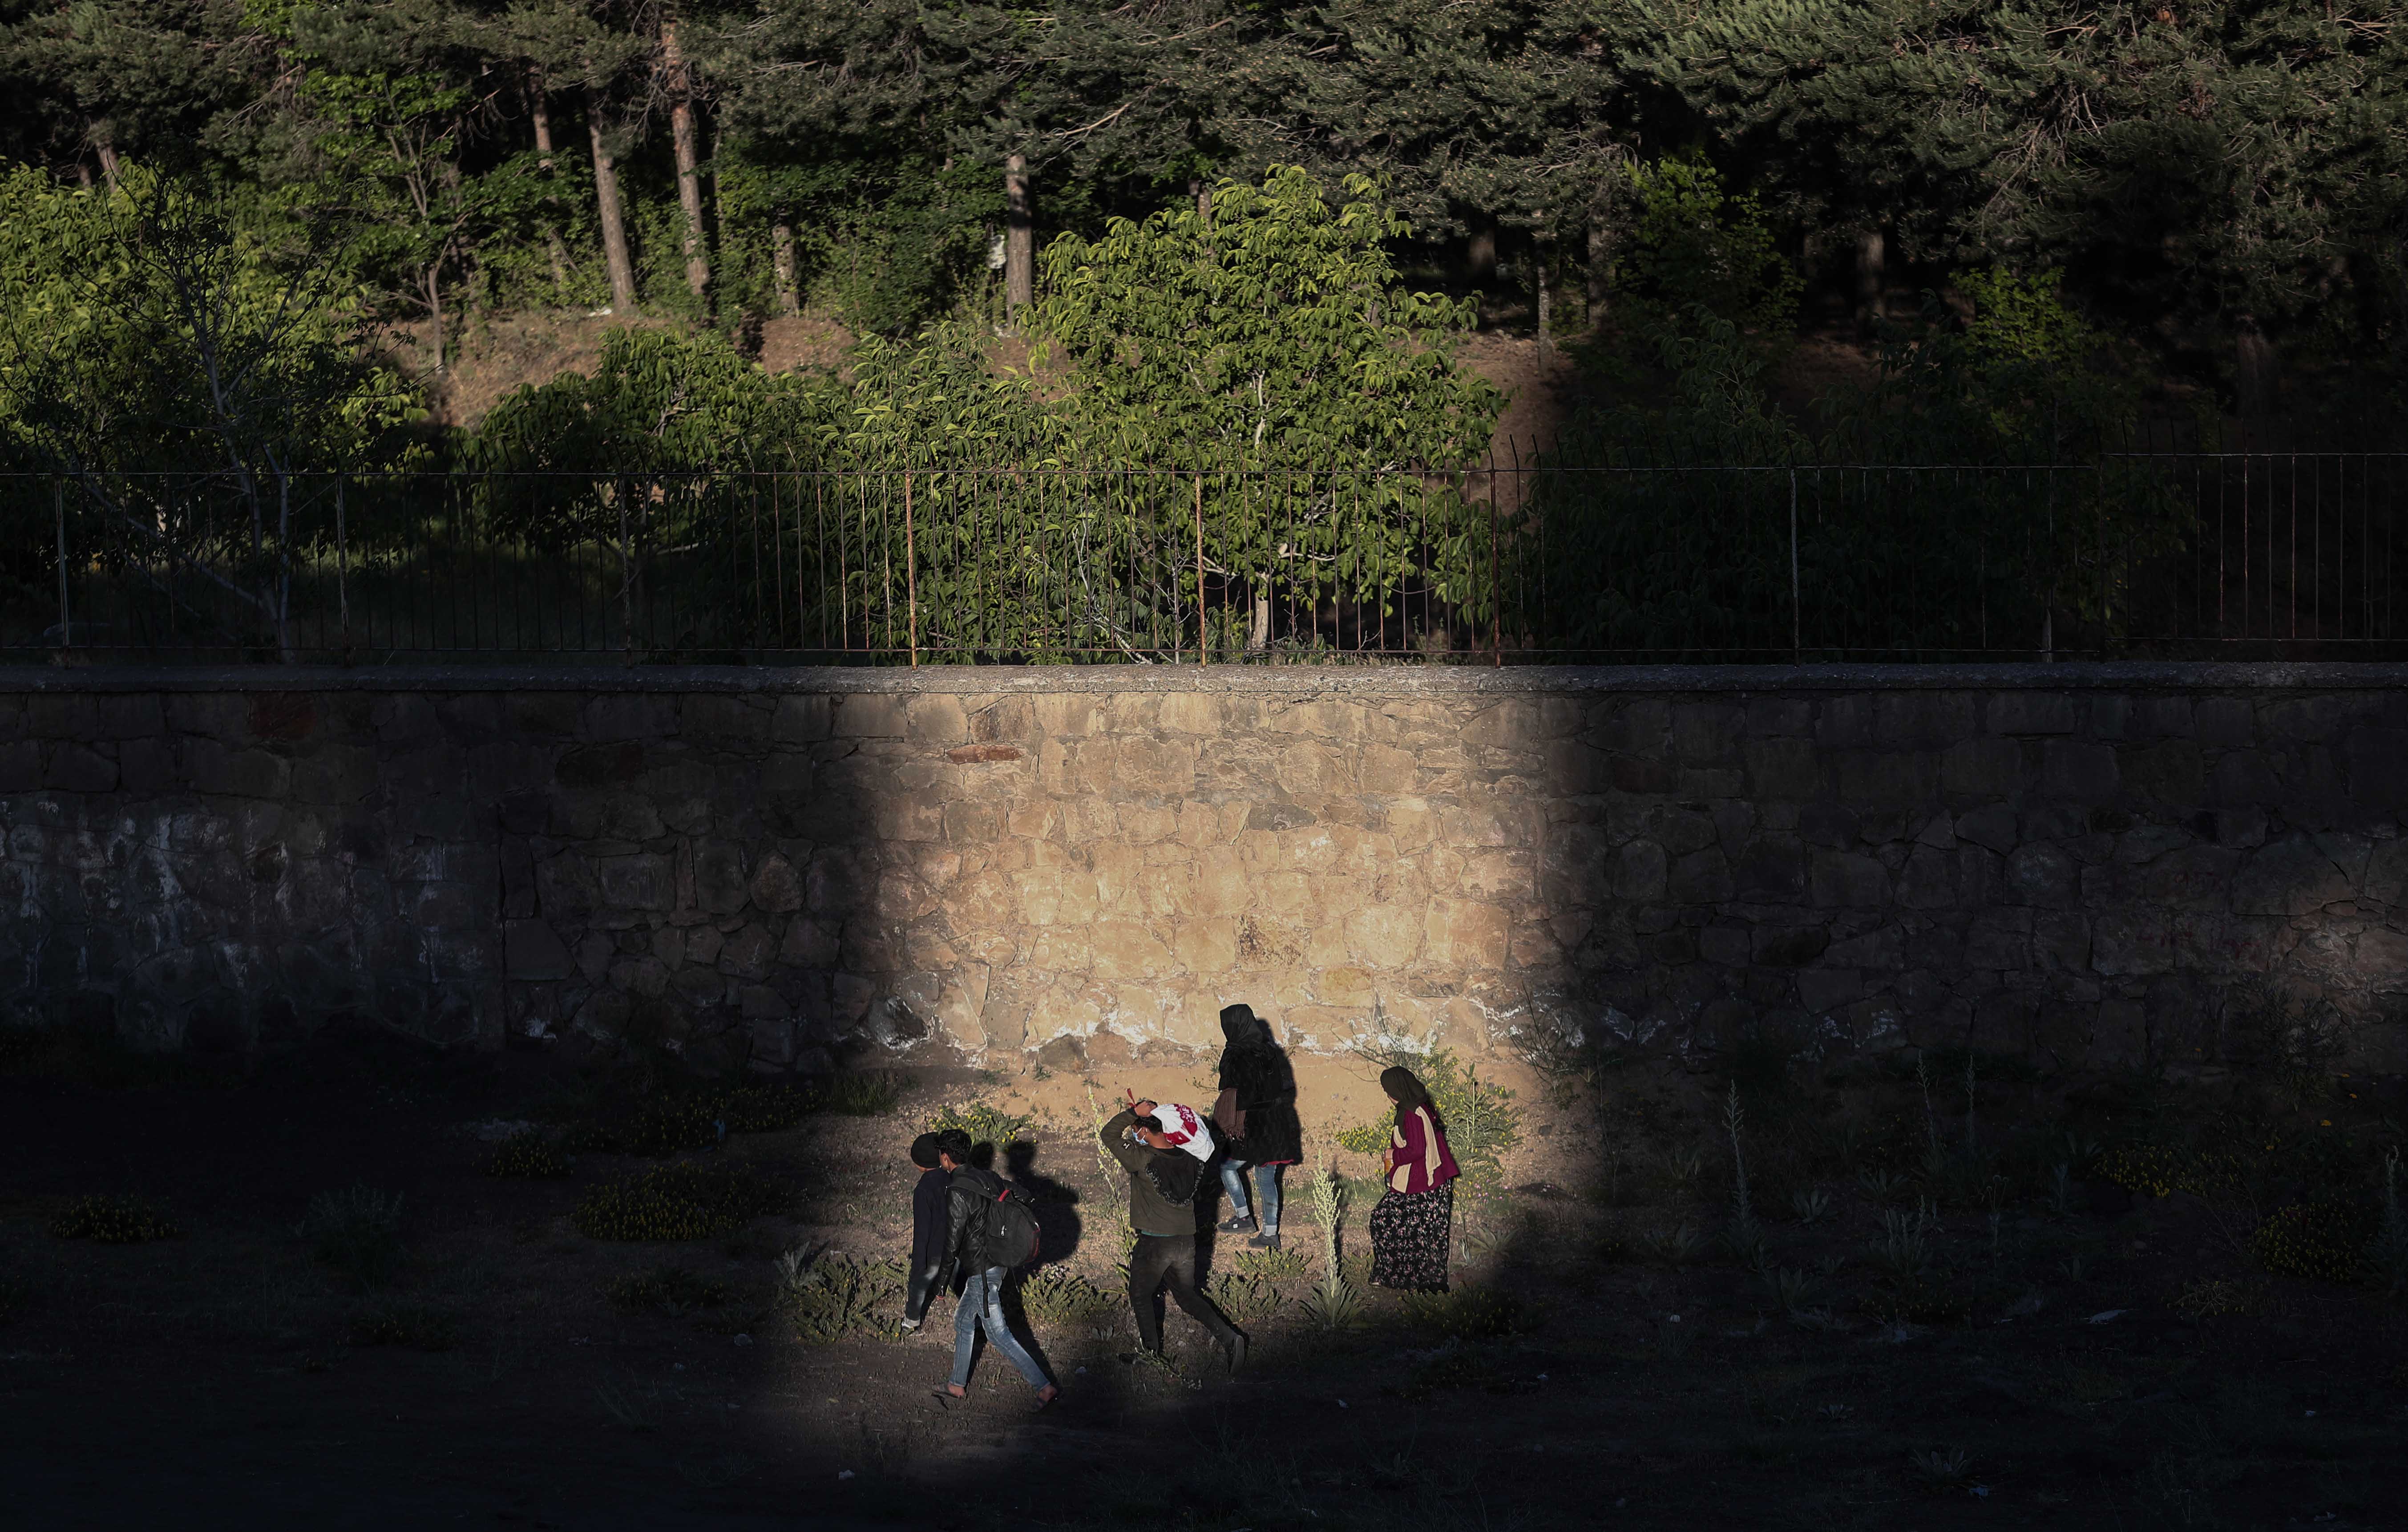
{"points": [[1203, 636], [910, 572], [58, 513], [1495, 574], [343, 567], [1796, 623]]}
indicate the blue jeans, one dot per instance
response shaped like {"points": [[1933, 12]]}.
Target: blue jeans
{"points": [[1267, 1191], [983, 1304]]}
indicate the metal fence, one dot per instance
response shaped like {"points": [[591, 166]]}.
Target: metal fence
{"points": [[2292, 554]]}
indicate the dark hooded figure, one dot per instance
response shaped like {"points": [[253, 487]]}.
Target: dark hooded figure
{"points": [[1256, 1115]]}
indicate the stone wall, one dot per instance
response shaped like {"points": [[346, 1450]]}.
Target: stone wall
{"points": [[1064, 865]]}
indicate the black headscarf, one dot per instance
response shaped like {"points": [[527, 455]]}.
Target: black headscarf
{"points": [[1244, 1029]]}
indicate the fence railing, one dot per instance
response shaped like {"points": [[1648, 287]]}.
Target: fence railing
{"points": [[2168, 555]]}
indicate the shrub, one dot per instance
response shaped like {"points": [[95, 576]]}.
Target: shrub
{"points": [[111, 1221], [1246, 1298], [985, 1124], [834, 1296], [2324, 1240], [408, 1326], [763, 1109], [357, 1232], [2211, 1298], [661, 1128], [1482, 1121], [860, 1096], [1282, 1268], [669, 1290], [1472, 1312], [1052, 1295], [684, 1201], [529, 1155]]}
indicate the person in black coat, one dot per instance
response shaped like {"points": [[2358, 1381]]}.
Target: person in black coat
{"points": [[931, 1268], [1256, 1115]]}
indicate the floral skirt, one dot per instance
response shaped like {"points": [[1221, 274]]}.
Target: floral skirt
{"points": [[1409, 1235]]}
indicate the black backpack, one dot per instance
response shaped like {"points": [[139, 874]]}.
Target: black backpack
{"points": [[1175, 1174], [1007, 1235]]}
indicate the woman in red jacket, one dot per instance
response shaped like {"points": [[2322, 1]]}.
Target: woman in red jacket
{"points": [[1409, 1226]]}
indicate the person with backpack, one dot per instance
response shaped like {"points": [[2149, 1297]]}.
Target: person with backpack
{"points": [[1257, 1116], [991, 1228], [1164, 1148]]}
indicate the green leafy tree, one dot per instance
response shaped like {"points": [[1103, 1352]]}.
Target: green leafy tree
{"points": [[1277, 336]]}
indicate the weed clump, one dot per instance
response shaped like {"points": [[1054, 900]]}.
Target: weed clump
{"points": [[530, 1155], [762, 1109], [984, 1123], [1482, 1121], [832, 1297], [108, 1220], [1472, 1312], [858, 1095], [669, 1290], [661, 1128], [2214, 1297], [2325, 1241], [357, 1232], [408, 1326], [1055, 1296], [684, 1201]]}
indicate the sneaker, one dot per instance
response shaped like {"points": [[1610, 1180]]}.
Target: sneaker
{"points": [[1238, 1225], [1266, 1241]]}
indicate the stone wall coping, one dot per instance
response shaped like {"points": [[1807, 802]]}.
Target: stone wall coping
{"points": [[1367, 681]]}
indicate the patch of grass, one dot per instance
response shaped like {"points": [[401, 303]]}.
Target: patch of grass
{"points": [[2213, 1298], [669, 1290], [1474, 1311], [528, 1155], [682, 1201], [859, 1095], [110, 1220], [1245, 1298], [985, 1123], [833, 1297], [2325, 1241], [1941, 1468], [763, 1109], [357, 1232], [1282, 1269], [661, 1128], [1675, 1246], [412, 1327], [1051, 1295]]}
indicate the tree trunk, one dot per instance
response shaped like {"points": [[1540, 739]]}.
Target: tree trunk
{"points": [[540, 111], [1872, 277], [1202, 191], [614, 224], [433, 279], [1258, 635], [782, 264], [1543, 280], [689, 180], [1482, 253], [2254, 378], [1600, 276], [1019, 239], [108, 152]]}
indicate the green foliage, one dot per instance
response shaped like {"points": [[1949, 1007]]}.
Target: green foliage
{"points": [[669, 1290], [412, 1327], [985, 1123], [2024, 318], [1052, 1295], [1473, 1311], [835, 1297], [857, 1096], [531, 1154], [357, 1232], [1365, 1139], [1482, 1121], [110, 1220], [2324, 1241], [1284, 1268], [1698, 249], [661, 1128], [688, 1200], [1246, 1298]]}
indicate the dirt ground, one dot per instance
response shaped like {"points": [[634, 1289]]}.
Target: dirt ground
{"points": [[1614, 1364]]}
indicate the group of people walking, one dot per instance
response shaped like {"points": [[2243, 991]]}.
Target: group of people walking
{"points": [[972, 1227]]}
